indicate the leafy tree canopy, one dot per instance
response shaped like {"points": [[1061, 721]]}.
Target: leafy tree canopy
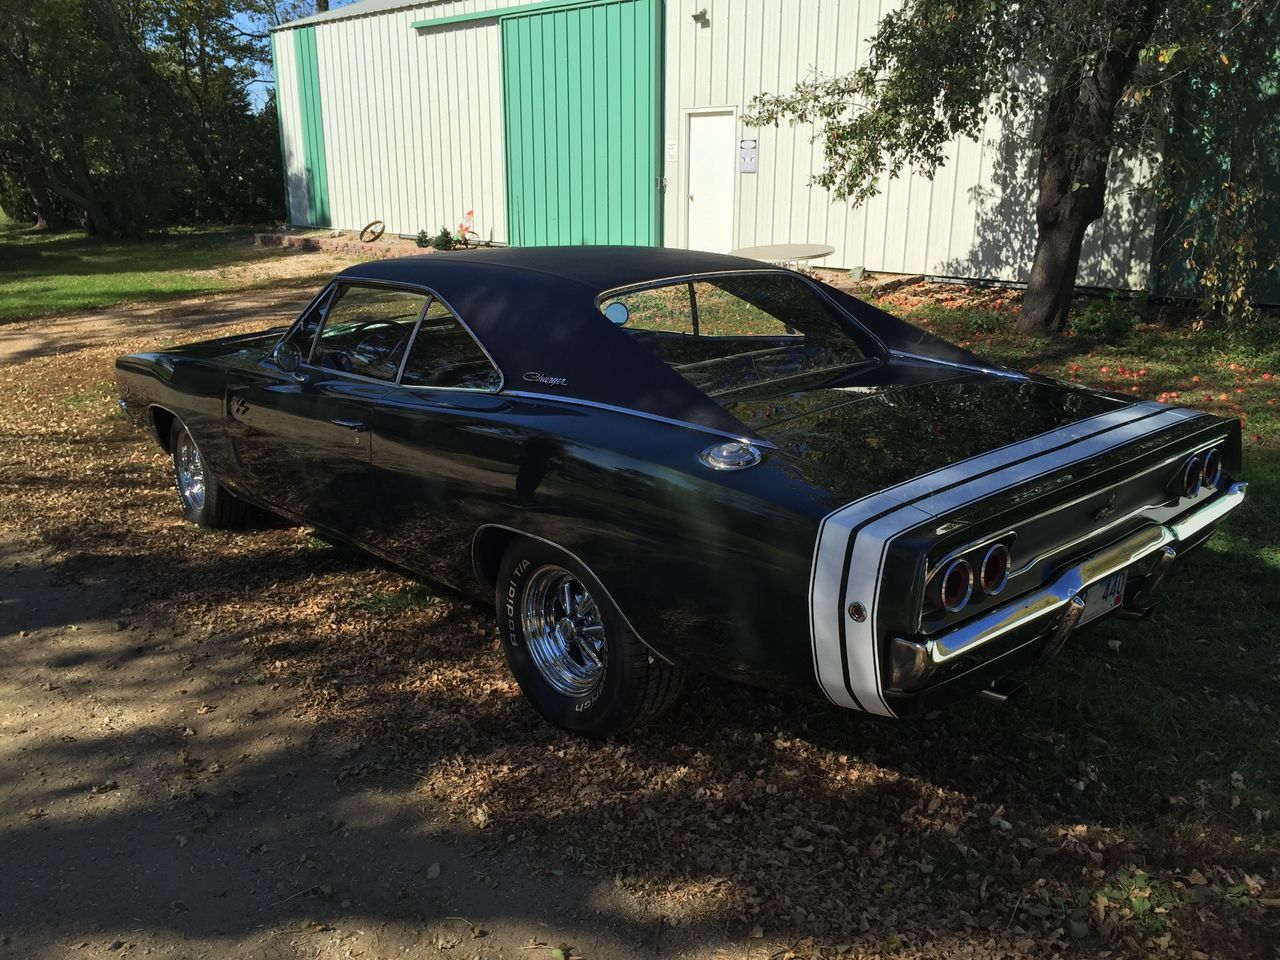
{"points": [[1171, 79], [126, 115]]}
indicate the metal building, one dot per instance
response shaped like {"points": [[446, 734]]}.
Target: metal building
{"points": [[619, 121]]}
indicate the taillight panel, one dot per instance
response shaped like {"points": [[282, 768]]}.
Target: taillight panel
{"points": [[981, 570], [1036, 544]]}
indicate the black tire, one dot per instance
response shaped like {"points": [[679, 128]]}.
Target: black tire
{"points": [[633, 686], [217, 508]]}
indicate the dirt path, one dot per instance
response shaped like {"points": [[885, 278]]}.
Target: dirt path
{"points": [[159, 798], [157, 320]]}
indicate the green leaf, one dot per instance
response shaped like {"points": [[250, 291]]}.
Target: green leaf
{"points": [[433, 871]]}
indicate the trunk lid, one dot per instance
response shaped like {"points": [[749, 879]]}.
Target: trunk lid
{"points": [[900, 420]]}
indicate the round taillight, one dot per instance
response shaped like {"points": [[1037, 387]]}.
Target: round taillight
{"points": [[957, 585], [1211, 472], [1191, 477], [993, 574]]}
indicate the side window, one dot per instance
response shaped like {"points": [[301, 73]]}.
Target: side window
{"points": [[444, 354], [367, 329]]}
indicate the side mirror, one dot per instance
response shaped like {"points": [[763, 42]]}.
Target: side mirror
{"points": [[287, 356]]}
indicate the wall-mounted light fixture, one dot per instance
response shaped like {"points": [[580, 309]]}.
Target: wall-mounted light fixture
{"points": [[701, 18]]}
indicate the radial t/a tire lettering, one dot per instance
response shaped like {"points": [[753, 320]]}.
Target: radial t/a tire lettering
{"points": [[577, 661]]}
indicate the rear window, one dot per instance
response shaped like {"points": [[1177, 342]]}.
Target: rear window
{"points": [[736, 332]]}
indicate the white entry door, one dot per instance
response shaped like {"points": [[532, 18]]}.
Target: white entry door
{"points": [[711, 176]]}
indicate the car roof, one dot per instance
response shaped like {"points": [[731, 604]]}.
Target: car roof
{"points": [[598, 268], [535, 311]]}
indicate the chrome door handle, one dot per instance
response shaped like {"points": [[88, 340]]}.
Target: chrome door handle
{"points": [[356, 425]]}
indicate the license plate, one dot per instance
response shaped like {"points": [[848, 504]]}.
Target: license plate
{"points": [[1104, 596]]}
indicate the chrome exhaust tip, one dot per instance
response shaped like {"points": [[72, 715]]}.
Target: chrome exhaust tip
{"points": [[1144, 599], [1002, 690]]}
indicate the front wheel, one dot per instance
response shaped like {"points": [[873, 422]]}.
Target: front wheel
{"points": [[204, 500], [577, 661]]}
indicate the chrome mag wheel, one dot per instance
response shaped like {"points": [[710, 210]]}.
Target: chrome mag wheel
{"points": [[563, 631], [190, 473]]}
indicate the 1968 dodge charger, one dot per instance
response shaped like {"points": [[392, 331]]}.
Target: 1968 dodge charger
{"points": [[654, 461]]}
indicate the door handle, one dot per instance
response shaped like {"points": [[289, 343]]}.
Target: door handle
{"points": [[356, 426]]}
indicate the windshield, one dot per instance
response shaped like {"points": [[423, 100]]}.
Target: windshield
{"points": [[735, 332]]}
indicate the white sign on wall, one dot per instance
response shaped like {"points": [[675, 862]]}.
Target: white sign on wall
{"points": [[748, 156]]}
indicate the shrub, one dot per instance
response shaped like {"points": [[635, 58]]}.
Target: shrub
{"points": [[444, 240], [1110, 320]]}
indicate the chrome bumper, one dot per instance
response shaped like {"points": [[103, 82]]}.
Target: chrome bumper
{"points": [[914, 657]]}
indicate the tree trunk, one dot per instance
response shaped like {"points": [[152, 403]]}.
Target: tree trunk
{"points": [[1047, 299], [48, 215]]}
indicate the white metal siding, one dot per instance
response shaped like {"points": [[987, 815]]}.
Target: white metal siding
{"points": [[412, 119], [973, 219], [295, 171]]}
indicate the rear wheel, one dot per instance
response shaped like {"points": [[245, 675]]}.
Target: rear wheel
{"points": [[572, 652], [204, 500]]}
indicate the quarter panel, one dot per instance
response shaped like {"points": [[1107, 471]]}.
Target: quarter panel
{"points": [[711, 569]]}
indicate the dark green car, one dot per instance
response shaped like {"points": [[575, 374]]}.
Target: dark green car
{"points": [[653, 461]]}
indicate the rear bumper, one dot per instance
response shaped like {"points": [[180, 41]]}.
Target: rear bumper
{"points": [[1037, 624]]}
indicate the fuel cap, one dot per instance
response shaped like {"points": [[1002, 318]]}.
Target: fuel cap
{"points": [[731, 455]]}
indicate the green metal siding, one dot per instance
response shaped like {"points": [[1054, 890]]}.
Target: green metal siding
{"points": [[312, 127], [581, 95]]}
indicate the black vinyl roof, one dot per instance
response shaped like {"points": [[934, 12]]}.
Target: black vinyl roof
{"points": [[597, 268], [535, 310]]}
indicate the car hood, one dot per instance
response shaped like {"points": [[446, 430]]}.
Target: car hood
{"points": [[898, 421]]}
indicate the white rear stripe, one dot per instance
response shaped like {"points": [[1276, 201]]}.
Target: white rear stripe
{"points": [[969, 481]]}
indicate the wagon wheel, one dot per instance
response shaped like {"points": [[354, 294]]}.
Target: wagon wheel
{"points": [[373, 231]]}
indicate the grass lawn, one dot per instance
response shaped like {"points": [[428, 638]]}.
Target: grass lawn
{"points": [[42, 273]]}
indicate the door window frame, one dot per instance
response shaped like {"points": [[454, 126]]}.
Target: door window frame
{"points": [[324, 301]]}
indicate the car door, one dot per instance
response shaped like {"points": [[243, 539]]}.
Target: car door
{"points": [[445, 455], [302, 436]]}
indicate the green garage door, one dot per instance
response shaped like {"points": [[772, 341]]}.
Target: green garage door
{"points": [[581, 90]]}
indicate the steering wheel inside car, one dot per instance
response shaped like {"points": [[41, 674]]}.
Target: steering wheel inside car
{"points": [[343, 359], [369, 325]]}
